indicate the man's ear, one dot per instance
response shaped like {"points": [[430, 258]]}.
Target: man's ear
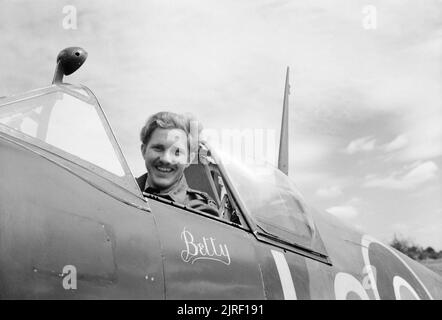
{"points": [[143, 149]]}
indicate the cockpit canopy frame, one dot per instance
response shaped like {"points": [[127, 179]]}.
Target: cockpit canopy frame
{"points": [[64, 133]]}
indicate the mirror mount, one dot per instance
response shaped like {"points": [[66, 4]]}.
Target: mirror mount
{"points": [[69, 60]]}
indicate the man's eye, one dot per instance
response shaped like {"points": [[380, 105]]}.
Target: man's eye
{"points": [[177, 152]]}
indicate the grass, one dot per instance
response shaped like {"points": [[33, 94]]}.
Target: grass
{"points": [[433, 264]]}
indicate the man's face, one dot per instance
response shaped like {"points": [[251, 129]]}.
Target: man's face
{"points": [[165, 156]]}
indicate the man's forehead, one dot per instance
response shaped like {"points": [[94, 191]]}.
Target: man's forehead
{"points": [[173, 135]]}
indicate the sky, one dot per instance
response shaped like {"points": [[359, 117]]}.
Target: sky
{"points": [[365, 103]]}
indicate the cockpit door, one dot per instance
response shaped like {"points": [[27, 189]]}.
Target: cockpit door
{"points": [[205, 258]]}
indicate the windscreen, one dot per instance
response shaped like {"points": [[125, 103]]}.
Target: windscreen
{"points": [[65, 122]]}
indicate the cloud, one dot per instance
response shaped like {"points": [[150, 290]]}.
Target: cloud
{"points": [[398, 143], [361, 144], [425, 138], [305, 151], [418, 174], [311, 178], [329, 192], [345, 212]]}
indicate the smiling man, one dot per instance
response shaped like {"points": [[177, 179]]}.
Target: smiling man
{"points": [[166, 141]]}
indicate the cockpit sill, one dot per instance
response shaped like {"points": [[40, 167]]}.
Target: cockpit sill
{"points": [[270, 238], [194, 211]]}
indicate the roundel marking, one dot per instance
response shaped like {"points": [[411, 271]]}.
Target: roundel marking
{"points": [[348, 287], [285, 276], [393, 278], [403, 290]]}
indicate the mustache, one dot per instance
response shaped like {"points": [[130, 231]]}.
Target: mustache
{"points": [[164, 164]]}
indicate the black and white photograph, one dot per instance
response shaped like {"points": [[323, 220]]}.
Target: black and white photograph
{"points": [[221, 150]]}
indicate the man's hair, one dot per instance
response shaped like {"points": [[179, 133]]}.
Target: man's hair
{"points": [[170, 120]]}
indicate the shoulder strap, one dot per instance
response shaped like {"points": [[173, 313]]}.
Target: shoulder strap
{"points": [[205, 196]]}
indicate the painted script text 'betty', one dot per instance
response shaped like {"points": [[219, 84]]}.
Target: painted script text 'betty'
{"points": [[207, 249]]}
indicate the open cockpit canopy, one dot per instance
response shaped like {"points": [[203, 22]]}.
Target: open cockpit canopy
{"points": [[274, 203]]}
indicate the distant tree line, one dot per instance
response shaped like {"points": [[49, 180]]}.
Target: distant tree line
{"points": [[413, 250]]}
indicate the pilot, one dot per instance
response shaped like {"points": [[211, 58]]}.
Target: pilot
{"points": [[166, 144]]}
